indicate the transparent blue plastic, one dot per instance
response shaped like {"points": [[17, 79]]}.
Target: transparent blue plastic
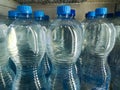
{"points": [[43, 20], [98, 42], [64, 46], [27, 44], [6, 74], [114, 58]]}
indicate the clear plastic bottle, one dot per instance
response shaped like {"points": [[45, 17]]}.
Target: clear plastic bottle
{"points": [[114, 57], [6, 74], [90, 16], [100, 38], [72, 16], [12, 16], [64, 46], [26, 45], [43, 20]]}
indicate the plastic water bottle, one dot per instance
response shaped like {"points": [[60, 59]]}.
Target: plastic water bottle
{"points": [[72, 17], [114, 58], [100, 39], [12, 16], [64, 46], [90, 16], [26, 45], [43, 20], [6, 74]]}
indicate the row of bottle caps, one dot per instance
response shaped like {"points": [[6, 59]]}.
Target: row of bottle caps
{"points": [[42, 15]]}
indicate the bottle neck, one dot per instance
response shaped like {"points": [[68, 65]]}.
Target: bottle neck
{"points": [[25, 16], [66, 16], [90, 18], [39, 19], [101, 16], [12, 18]]}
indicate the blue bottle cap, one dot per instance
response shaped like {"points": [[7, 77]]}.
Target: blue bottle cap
{"points": [[46, 17], [12, 13], [101, 11], [110, 15], [117, 14], [39, 13], [91, 14], [25, 9], [73, 13], [63, 9]]}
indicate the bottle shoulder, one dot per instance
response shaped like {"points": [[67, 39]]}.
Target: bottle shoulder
{"points": [[100, 36], [65, 22], [18, 23], [24, 22], [100, 23]]}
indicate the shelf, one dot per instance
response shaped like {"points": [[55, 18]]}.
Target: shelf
{"points": [[6, 5], [62, 1], [49, 1]]}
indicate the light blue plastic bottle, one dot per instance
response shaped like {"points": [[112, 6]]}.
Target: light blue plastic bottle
{"points": [[43, 20], [64, 45], [12, 16], [100, 38], [6, 74], [72, 16], [114, 57], [90, 16], [26, 45]]}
